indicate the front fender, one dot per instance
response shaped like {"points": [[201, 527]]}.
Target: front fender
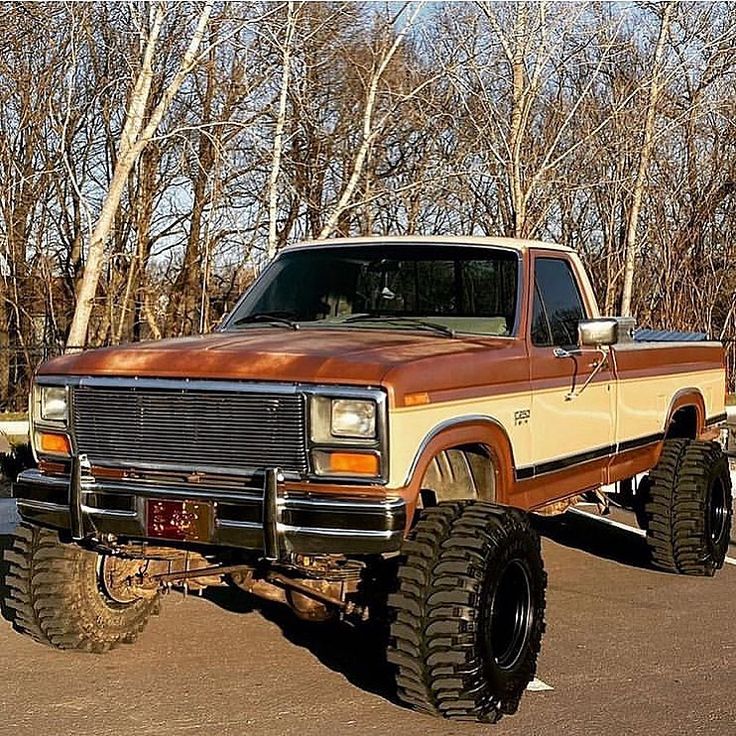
{"points": [[467, 430]]}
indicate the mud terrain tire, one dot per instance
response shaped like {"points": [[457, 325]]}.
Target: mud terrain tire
{"points": [[54, 595], [689, 508], [468, 615]]}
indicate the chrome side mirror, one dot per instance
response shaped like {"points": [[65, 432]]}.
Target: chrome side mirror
{"points": [[596, 333], [600, 334]]}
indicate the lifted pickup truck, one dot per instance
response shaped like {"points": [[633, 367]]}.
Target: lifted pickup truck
{"points": [[374, 414]]}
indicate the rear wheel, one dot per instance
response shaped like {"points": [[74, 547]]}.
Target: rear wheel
{"points": [[71, 598], [468, 616], [689, 508]]}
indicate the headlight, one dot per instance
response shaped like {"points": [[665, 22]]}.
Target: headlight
{"points": [[53, 404], [343, 419], [353, 418]]}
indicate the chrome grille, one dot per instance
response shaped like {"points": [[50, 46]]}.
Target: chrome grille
{"points": [[144, 427]]}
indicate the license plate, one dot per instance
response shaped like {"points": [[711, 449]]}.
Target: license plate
{"points": [[185, 520]]}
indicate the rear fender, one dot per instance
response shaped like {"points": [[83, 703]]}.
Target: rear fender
{"points": [[684, 398]]}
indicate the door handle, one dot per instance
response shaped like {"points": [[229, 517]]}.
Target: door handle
{"points": [[565, 353]]}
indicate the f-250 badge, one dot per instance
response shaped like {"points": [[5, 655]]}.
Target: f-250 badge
{"points": [[522, 416]]}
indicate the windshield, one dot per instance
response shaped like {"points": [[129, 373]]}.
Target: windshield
{"points": [[459, 288]]}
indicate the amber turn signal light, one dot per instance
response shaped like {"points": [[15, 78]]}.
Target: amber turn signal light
{"points": [[416, 399], [56, 444], [357, 463]]}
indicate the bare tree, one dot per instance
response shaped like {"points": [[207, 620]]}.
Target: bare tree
{"points": [[137, 133], [371, 128], [300, 120], [655, 86], [278, 137]]}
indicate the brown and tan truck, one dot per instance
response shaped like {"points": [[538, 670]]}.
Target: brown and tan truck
{"points": [[374, 415]]}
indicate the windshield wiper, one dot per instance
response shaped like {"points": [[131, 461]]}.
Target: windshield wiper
{"points": [[276, 319], [401, 319]]}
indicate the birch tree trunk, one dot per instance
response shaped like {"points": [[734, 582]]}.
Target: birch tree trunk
{"points": [[278, 138], [135, 136], [645, 154], [516, 133]]}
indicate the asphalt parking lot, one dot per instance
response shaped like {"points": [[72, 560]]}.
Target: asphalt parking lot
{"points": [[628, 650]]}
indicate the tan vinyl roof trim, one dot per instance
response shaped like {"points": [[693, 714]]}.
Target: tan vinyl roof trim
{"points": [[511, 243]]}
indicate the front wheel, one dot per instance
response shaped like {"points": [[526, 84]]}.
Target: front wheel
{"points": [[71, 598], [468, 616]]}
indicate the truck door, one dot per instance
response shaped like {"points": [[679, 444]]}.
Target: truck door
{"points": [[569, 430]]}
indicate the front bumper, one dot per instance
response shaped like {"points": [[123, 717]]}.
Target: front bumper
{"points": [[263, 516]]}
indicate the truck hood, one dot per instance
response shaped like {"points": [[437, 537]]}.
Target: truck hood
{"points": [[403, 360]]}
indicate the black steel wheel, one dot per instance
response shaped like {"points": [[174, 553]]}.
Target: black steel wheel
{"points": [[719, 511], [508, 616]]}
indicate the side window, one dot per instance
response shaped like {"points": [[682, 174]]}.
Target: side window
{"points": [[557, 307]]}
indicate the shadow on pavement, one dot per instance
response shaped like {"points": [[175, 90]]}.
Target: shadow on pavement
{"points": [[232, 599], [595, 538], [356, 652]]}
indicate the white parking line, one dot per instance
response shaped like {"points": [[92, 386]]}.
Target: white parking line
{"points": [[626, 527], [537, 686], [610, 522]]}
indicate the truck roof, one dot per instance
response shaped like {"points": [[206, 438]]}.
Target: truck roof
{"points": [[517, 244]]}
